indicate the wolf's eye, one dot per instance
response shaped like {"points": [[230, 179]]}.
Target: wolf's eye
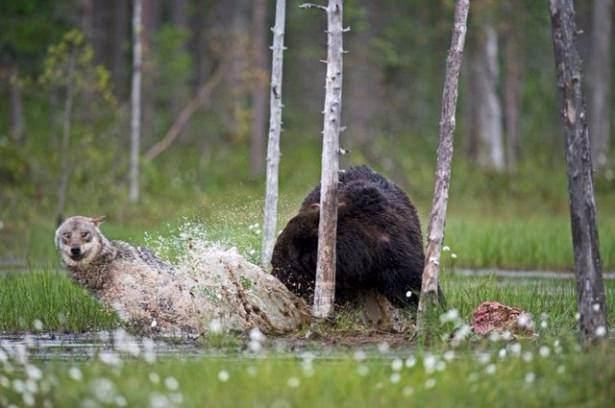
{"points": [[66, 235], [85, 235]]}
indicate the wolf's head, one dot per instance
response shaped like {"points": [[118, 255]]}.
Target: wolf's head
{"points": [[79, 240]]}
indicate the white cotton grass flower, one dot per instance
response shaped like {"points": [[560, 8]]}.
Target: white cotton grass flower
{"points": [[103, 390], [363, 370], [395, 377], [449, 355], [429, 363], [171, 383], [502, 353], [430, 383], [525, 321], [544, 324], [33, 372], [490, 369], [407, 391], [383, 347], [223, 376], [293, 382], [110, 358], [177, 398], [157, 400], [38, 325], [410, 362], [120, 401], [515, 349], [600, 331], [454, 255], [409, 294], [544, 351], [149, 353], [596, 307], [397, 364], [530, 377], [483, 358], [359, 355], [75, 373], [451, 315], [446, 248], [154, 378], [215, 326], [527, 356], [561, 369]]}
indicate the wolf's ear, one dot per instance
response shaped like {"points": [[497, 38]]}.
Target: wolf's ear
{"points": [[97, 220]]}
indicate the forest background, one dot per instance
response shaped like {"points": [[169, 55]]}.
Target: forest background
{"points": [[508, 205]]}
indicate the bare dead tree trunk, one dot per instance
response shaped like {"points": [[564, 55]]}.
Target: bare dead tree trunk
{"points": [[489, 107], [135, 125], [324, 290], [203, 97], [435, 235], [599, 75], [259, 86], [588, 269], [66, 130], [275, 127], [17, 119]]}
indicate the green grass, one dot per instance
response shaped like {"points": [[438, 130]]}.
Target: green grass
{"points": [[509, 378], [53, 300], [502, 376], [531, 243], [59, 305]]}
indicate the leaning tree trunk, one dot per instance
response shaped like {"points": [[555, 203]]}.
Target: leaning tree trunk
{"points": [[435, 235], [275, 127], [324, 291], [588, 270], [135, 125], [599, 70]]}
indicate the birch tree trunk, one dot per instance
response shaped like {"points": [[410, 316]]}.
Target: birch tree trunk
{"points": [[489, 106], [324, 291], [588, 270], [66, 130], [259, 86], [435, 234], [135, 99], [275, 127], [16, 103], [513, 83], [599, 75]]}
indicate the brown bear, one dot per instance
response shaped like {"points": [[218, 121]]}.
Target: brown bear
{"points": [[379, 241]]}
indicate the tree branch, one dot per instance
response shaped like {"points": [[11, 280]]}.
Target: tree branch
{"points": [[202, 97]]}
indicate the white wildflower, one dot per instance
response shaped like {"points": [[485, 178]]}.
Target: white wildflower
{"points": [[530, 377], [395, 377], [171, 383], [363, 370], [410, 361], [75, 373], [600, 331], [490, 369], [223, 376], [397, 364], [293, 382], [430, 383], [544, 351], [215, 326]]}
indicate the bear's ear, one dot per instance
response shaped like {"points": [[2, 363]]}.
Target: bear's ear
{"points": [[97, 220], [315, 207]]}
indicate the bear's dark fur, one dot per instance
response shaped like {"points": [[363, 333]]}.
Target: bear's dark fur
{"points": [[379, 241]]}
